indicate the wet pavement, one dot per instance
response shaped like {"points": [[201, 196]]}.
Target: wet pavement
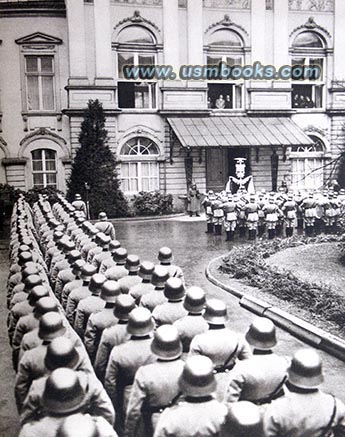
{"points": [[192, 249]]}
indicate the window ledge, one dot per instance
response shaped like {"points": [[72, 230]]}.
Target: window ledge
{"points": [[138, 110]]}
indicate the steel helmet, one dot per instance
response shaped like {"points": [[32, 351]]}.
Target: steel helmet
{"points": [[132, 263], [102, 239], [24, 257], [215, 313], [166, 343], [87, 271], [305, 370], [73, 256], [77, 197], [198, 379], [124, 305], [120, 255], [262, 334], [96, 283], [77, 425], [160, 276], [31, 268], [244, 419], [195, 300], [110, 290], [63, 392], [102, 216], [61, 353], [165, 255], [113, 245], [174, 290], [37, 293], [140, 322], [32, 281], [77, 266], [45, 305], [51, 326], [146, 270]]}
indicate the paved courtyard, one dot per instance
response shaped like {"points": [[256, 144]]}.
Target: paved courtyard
{"points": [[192, 249]]}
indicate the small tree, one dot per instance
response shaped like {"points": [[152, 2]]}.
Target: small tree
{"points": [[95, 164]]}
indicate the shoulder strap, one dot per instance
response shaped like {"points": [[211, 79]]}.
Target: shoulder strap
{"points": [[329, 425], [224, 366], [272, 396]]}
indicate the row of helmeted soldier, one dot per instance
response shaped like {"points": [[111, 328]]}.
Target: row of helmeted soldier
{"points": [[274, 213], [102, 340]]}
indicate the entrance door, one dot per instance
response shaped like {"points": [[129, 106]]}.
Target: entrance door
{"points": [[217, 169]]}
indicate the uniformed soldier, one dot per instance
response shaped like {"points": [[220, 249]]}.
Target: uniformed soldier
{"points": [[308, 208], [89, 244], [103, 241], [218, 216], [79, 205], [30, 322], [64, 394], [219, 343], [90, 304], [66, 275], [230, 217], [75, 283], [114, 335], [193, 323], [243, 419], [259, 379], [119, 270], [125, 360], [172, 310], [289, 209], [155, 385], [52, 249], [207, 204], [165, 257], [97, 249], [261, 213], [252, 217], [305, 410], [87, 271], [105, 226], [109, 262], [101, 320], [137, 291], [133, 278], [199, 414], [156, 297], [241, 202], [85, 425], [272, 212], [32, 365]]}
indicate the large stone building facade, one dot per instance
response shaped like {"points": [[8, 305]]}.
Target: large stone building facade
{"points": [[56, 55]]}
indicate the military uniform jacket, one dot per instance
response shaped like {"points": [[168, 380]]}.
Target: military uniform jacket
{"points": [[107, 228], [95, 326], [19, 310], [190, 326], [168, 312], [191, 419], [67, 290], [25, 324], [96, 401], [100, 257], [48, 427], [106, 264], [73, 300], [85, 249], [139, 290], [115, 273], [153, 299], [111, 337], [86, 307], [257, 379], [222, 346], [92, 253], [155, 387], [62, 279], [305, 414]]}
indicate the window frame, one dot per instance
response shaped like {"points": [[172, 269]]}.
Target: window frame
{"points": [[44, 170]]}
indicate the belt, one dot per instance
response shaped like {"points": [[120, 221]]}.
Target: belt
{"points": [[224, 369]]}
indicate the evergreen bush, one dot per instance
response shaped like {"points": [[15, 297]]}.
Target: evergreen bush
{"points": [[152, 203]]}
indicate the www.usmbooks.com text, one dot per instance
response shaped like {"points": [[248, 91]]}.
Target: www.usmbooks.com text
{"points": [[223, 71]]}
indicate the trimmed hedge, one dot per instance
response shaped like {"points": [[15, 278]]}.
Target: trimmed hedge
{"points": [[152, 203]]}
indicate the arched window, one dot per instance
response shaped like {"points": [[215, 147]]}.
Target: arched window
{"points": [[307, 165], [136, 46], [225, 46], [139, 166], [44, 169], [308, 54]]}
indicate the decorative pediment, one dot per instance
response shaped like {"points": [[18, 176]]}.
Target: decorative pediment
{"points": [[227, 22], [311, 25], [42, 132], [310, 129], [39, 38], [137, 19]]}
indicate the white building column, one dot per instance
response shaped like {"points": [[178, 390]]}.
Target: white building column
{"points": [[339, 40], [171, 34], [258, 12], [281, 33], [104, 60], [195, 32], [76, 41]]}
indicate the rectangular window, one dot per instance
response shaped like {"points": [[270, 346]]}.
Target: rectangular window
{"points": [[138, 95], [307, 92], [139, 176], [307, 173], [39, 74], [224, 96], [44, 168]]}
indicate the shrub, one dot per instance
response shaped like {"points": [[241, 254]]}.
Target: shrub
{"points": [[32, 195], [152, 203]]}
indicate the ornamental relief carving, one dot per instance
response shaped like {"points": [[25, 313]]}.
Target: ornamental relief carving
{"points": [[312, 5], [140, 2], [227, 4]]}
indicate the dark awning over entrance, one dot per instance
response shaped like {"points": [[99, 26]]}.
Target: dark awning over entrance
{"points": [[238, 132]]}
